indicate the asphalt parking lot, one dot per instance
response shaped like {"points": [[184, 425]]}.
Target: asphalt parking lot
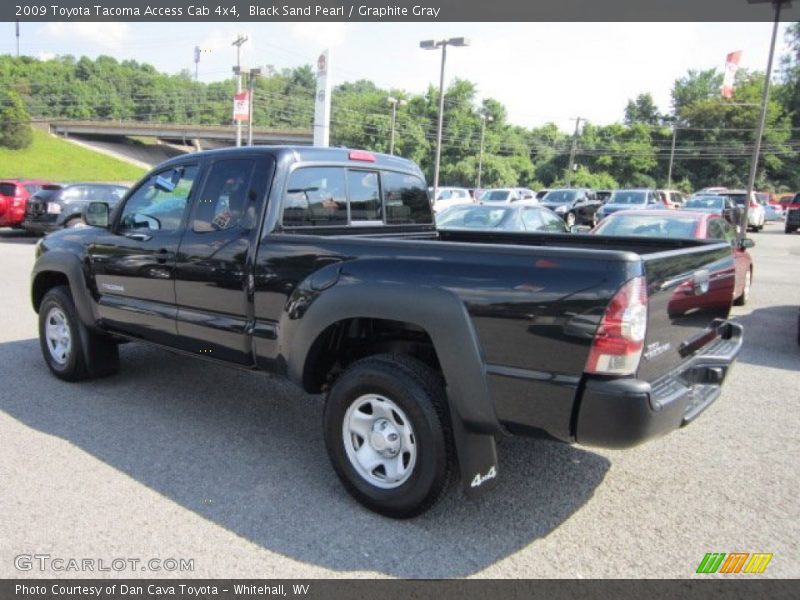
{"points": [[176, 458]]}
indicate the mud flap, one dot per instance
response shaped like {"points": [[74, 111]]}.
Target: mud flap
{"points": [[477, 459]]}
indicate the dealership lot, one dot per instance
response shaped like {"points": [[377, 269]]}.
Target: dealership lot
{"points": [[176, 458]]}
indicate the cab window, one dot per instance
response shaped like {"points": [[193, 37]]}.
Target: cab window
{"points": [[405, 199], [160, 203], [224, 200], [315, 196], [365, 199]]}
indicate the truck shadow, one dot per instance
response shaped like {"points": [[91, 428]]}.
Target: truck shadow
{"points": [[246, 452], [770, 337]]}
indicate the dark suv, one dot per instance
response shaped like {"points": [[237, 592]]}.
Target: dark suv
{"points": [[54, 207]]}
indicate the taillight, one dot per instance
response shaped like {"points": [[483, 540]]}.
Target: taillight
{"points": [[618, 342]]}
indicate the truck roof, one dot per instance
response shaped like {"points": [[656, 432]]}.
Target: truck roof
{"points": [[311, 154]]}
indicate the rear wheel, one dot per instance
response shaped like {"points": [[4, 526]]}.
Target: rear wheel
{"points": [[70, 349], [387, 432]]}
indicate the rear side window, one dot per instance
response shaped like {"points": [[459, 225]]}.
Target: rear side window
{"points": [[365, 199], [405, 199], [315, 196], [223, 202], [8, 189]]}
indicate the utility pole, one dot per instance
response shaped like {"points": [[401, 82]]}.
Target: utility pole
{"points": [[251, 89], [394, 102], [240, 39], [751, 182], [17, 24], [573, 151], [671, 156], [484, 118], [433, 45]]}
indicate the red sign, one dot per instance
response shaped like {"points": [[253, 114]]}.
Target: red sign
{"points": [[241, 106], [731, 66]]}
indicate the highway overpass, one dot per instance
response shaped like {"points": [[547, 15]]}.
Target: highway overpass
{"points": [[196, 135]]}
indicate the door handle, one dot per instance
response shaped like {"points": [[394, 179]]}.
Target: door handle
{"points": [[163, 255], [139, 237]]}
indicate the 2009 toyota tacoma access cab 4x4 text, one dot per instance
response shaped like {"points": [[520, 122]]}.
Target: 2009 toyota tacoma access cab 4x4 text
{"points": [[324, 265]]}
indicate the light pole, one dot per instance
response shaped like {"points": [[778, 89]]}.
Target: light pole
{"points": [[484, 118], [394, 102], [751, 182], [251, 89], [240, 39], [433, 45]]}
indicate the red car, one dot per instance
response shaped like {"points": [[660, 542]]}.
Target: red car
{"points": [[687, 224], [14, 194]]}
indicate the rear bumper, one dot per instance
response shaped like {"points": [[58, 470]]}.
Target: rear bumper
{"points": [[621, 413]]}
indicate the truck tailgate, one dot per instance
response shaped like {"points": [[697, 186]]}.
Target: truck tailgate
{"points": [[687, 290]]}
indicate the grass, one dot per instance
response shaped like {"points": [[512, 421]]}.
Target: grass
{"points": [[56, 160]]}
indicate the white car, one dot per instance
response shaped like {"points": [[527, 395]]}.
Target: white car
{"points": [[499, 196], [755, 212], [450, 196]]}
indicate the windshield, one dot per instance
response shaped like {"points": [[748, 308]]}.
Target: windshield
{"points": [[44, 194], [495, 195], [560, 197], [628, 197], [705, 202], [473, 217], [648, 225]]}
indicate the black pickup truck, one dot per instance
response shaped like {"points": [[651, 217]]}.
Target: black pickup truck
{"points": [[324, 265]]}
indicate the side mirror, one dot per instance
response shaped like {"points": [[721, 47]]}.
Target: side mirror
{"points": [[747, 243], [96, 214]]}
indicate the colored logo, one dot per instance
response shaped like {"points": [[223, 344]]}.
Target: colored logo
{"points": [[734, 562]]}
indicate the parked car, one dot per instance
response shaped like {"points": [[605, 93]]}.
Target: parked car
{"points": [[450, 196], [542, 193], [323, 265], [14, 195], [793, 215], [499, 195], [713, 190], [604, 195], [670, 198], [577, 206], [628, 200], [715, 204], [526, 194], [519, 216], [678, 224], [785, 200], [772, 212], [755, 212], [56, 207]]}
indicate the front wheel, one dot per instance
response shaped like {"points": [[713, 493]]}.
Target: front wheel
{"points": [[72, 352], [745, 296], [387, 432]]}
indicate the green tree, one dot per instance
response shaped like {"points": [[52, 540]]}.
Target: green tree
{"points": [[15, 125], [642, 110]]}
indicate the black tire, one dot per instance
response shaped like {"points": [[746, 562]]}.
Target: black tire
{"points": [[419, 392], [745, 295], [90, 354], [788, 229]]}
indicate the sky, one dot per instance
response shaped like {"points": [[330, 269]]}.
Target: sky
{"points": [[541, 72]]}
